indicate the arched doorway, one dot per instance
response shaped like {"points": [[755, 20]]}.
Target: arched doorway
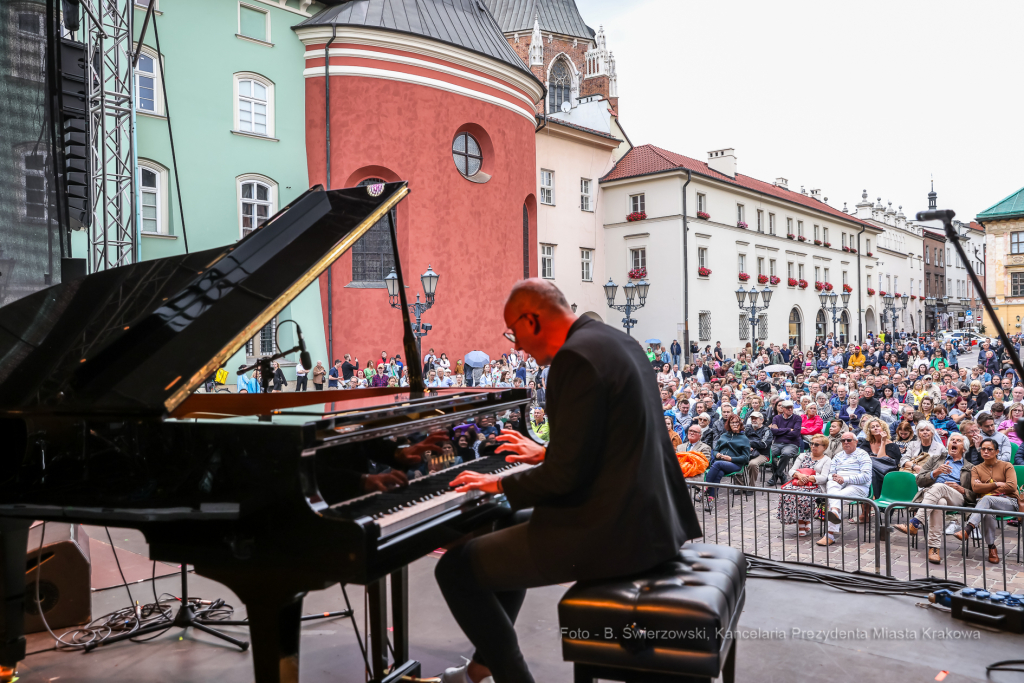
{"points": [[794, 328], [844, 328], [869, 321], [821, 324]]}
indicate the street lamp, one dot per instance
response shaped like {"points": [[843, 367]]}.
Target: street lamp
{"points": [[752, 309], [632, 291], [889, 303], [829, 302], [935, 303], [429, 281]]}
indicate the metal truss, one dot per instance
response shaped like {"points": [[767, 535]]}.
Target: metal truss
{"points": [[108, 27]]}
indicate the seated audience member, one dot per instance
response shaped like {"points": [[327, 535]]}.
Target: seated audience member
{"points": [[760, 437], [785, 429], [885, 455], [943, 425], [918, 451], [672, 434], [902, 436], [994, 481], [1013, 416], [811, 422], [732, 453], [809, 473], [853, 412], [694, 443], [987, 423], [943, 480], [849, 475]]}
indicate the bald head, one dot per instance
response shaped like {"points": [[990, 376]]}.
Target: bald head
{"points": [[539, 318], [536, 296]]}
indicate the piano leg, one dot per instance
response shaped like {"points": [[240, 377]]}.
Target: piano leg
{"points": [[377, 605], [274, 632], [400, 613], [13, 556]]}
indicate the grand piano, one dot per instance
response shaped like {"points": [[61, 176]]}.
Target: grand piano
{"points": [[272, 494]]}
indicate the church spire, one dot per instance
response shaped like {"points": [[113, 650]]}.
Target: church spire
{"points": [[932, 198], [536, 44]]}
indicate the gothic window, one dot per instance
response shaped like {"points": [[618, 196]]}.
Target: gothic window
{"points": [[559, 87], [372, 255]]}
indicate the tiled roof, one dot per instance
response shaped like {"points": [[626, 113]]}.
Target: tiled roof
{"points": [[579, 127], [465, 23], [1011, 207], [974, 225], [933, 234], [648, 159], [556, 16]]}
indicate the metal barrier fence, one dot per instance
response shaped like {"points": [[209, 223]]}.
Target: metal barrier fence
{"points": [[959, 558], [745, 517]]}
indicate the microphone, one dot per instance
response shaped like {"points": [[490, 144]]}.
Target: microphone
{"points": [[304, 357], [937, 215]]}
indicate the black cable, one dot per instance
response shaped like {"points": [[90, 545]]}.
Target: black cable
{"points": [[849, 583], [1004, 665], [118, 562], [170, 133]]}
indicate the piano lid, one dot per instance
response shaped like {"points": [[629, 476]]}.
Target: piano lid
{"points": [[141, 338]]}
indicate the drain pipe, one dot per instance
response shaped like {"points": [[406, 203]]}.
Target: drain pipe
{"points": [[327, 141], [860, 309], [686, 278]]}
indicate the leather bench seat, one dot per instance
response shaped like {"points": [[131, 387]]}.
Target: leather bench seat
{"points": [[671, 623]]}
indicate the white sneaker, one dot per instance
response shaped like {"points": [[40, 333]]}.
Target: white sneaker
{"points": [[458, 674], [953, 527]]}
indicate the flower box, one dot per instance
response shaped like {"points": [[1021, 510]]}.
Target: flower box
{"points": [[871, 292], [847, 288], [870, 254], [881, 293], [913, 297], [704, 215], [744, 276], [852, 250], [792, 282], [741, 224], [636, 216], [802, 238], [762, 279], [818, 242], [827, 244], [703, 272], [896, 295], [638, 274], [791, 236], [846, 249], [803, 284], [774, 280], [826, 286]]}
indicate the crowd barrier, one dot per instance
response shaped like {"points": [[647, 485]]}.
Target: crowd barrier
{"points": [[744, 517]]}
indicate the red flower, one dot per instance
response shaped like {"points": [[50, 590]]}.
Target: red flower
{"points": [[774, 279], [744, 276], [818, 242], [871, 292], [828, 244], [792, 282], [802, 238], [791, 236], [637, 273], [882, 293], [636, 216], [703, 272], [803, 284], [703, 214], [762, 279], [847, 288]]}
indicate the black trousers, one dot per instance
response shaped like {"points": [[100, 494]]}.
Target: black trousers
{"points": [[300, 382], [484, 582]]}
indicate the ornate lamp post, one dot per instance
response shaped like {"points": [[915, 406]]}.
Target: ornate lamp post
{"points": [[429, 281], [828, 302], [632, 291], [890, 308], [751, 308], [934, 303]]}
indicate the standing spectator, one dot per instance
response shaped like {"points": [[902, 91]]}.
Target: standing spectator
{"points": [[334, 375], [243, 380], [279, 381], [677, 351], [300, 376], [380, 379], [368, 371], [428, 361], [348, 368], [849, 475], [994, 481], [539, 424], [319, 373]]}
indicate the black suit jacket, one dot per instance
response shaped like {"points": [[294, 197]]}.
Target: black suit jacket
{"points": [[609, 498]]}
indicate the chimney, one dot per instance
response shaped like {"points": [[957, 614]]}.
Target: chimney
{"points": [[782, 182], [816, 194], [723, 161]]}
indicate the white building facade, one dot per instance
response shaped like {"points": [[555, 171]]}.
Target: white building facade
{"points": [[899, 268], [791, 241]]}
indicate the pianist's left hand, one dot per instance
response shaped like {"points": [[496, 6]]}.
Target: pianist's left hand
{"points": [[470, 481], [388, 481]]}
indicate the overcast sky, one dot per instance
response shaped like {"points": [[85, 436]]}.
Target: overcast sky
{"points": [[842, 96]]}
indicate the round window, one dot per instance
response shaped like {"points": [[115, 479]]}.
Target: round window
{"points": [[466, 153]]}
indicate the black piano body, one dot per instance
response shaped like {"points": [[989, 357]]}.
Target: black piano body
{"points": [[266, 493]]}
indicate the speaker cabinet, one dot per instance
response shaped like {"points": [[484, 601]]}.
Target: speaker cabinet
{"points": [[65, 581]]}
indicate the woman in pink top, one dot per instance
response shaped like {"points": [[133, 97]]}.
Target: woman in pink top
{"points": [[1015, 413], [812, 424]]}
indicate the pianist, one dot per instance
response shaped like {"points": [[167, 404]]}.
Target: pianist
{"points": [[608, 496]]}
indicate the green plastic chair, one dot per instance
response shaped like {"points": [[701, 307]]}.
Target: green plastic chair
{"points": [[897, 487], [1013, 456]]}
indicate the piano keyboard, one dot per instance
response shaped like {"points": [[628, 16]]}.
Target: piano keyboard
{"points": [[424, 498]]}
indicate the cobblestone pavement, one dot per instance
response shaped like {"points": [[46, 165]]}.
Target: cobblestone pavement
{"points": [[744, 522]]}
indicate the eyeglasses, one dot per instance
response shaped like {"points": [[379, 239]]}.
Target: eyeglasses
{"points": [[509, 333], [847, 440]]}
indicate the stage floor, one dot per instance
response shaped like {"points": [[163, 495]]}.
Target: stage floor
{"points": [[768, 652]]}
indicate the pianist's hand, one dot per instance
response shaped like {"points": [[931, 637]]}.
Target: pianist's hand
{"points": [[411, 456], [470, 481], [522, 448], [388, 481]]}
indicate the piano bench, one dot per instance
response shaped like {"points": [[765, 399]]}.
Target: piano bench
{"points": [[671, 624]]}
